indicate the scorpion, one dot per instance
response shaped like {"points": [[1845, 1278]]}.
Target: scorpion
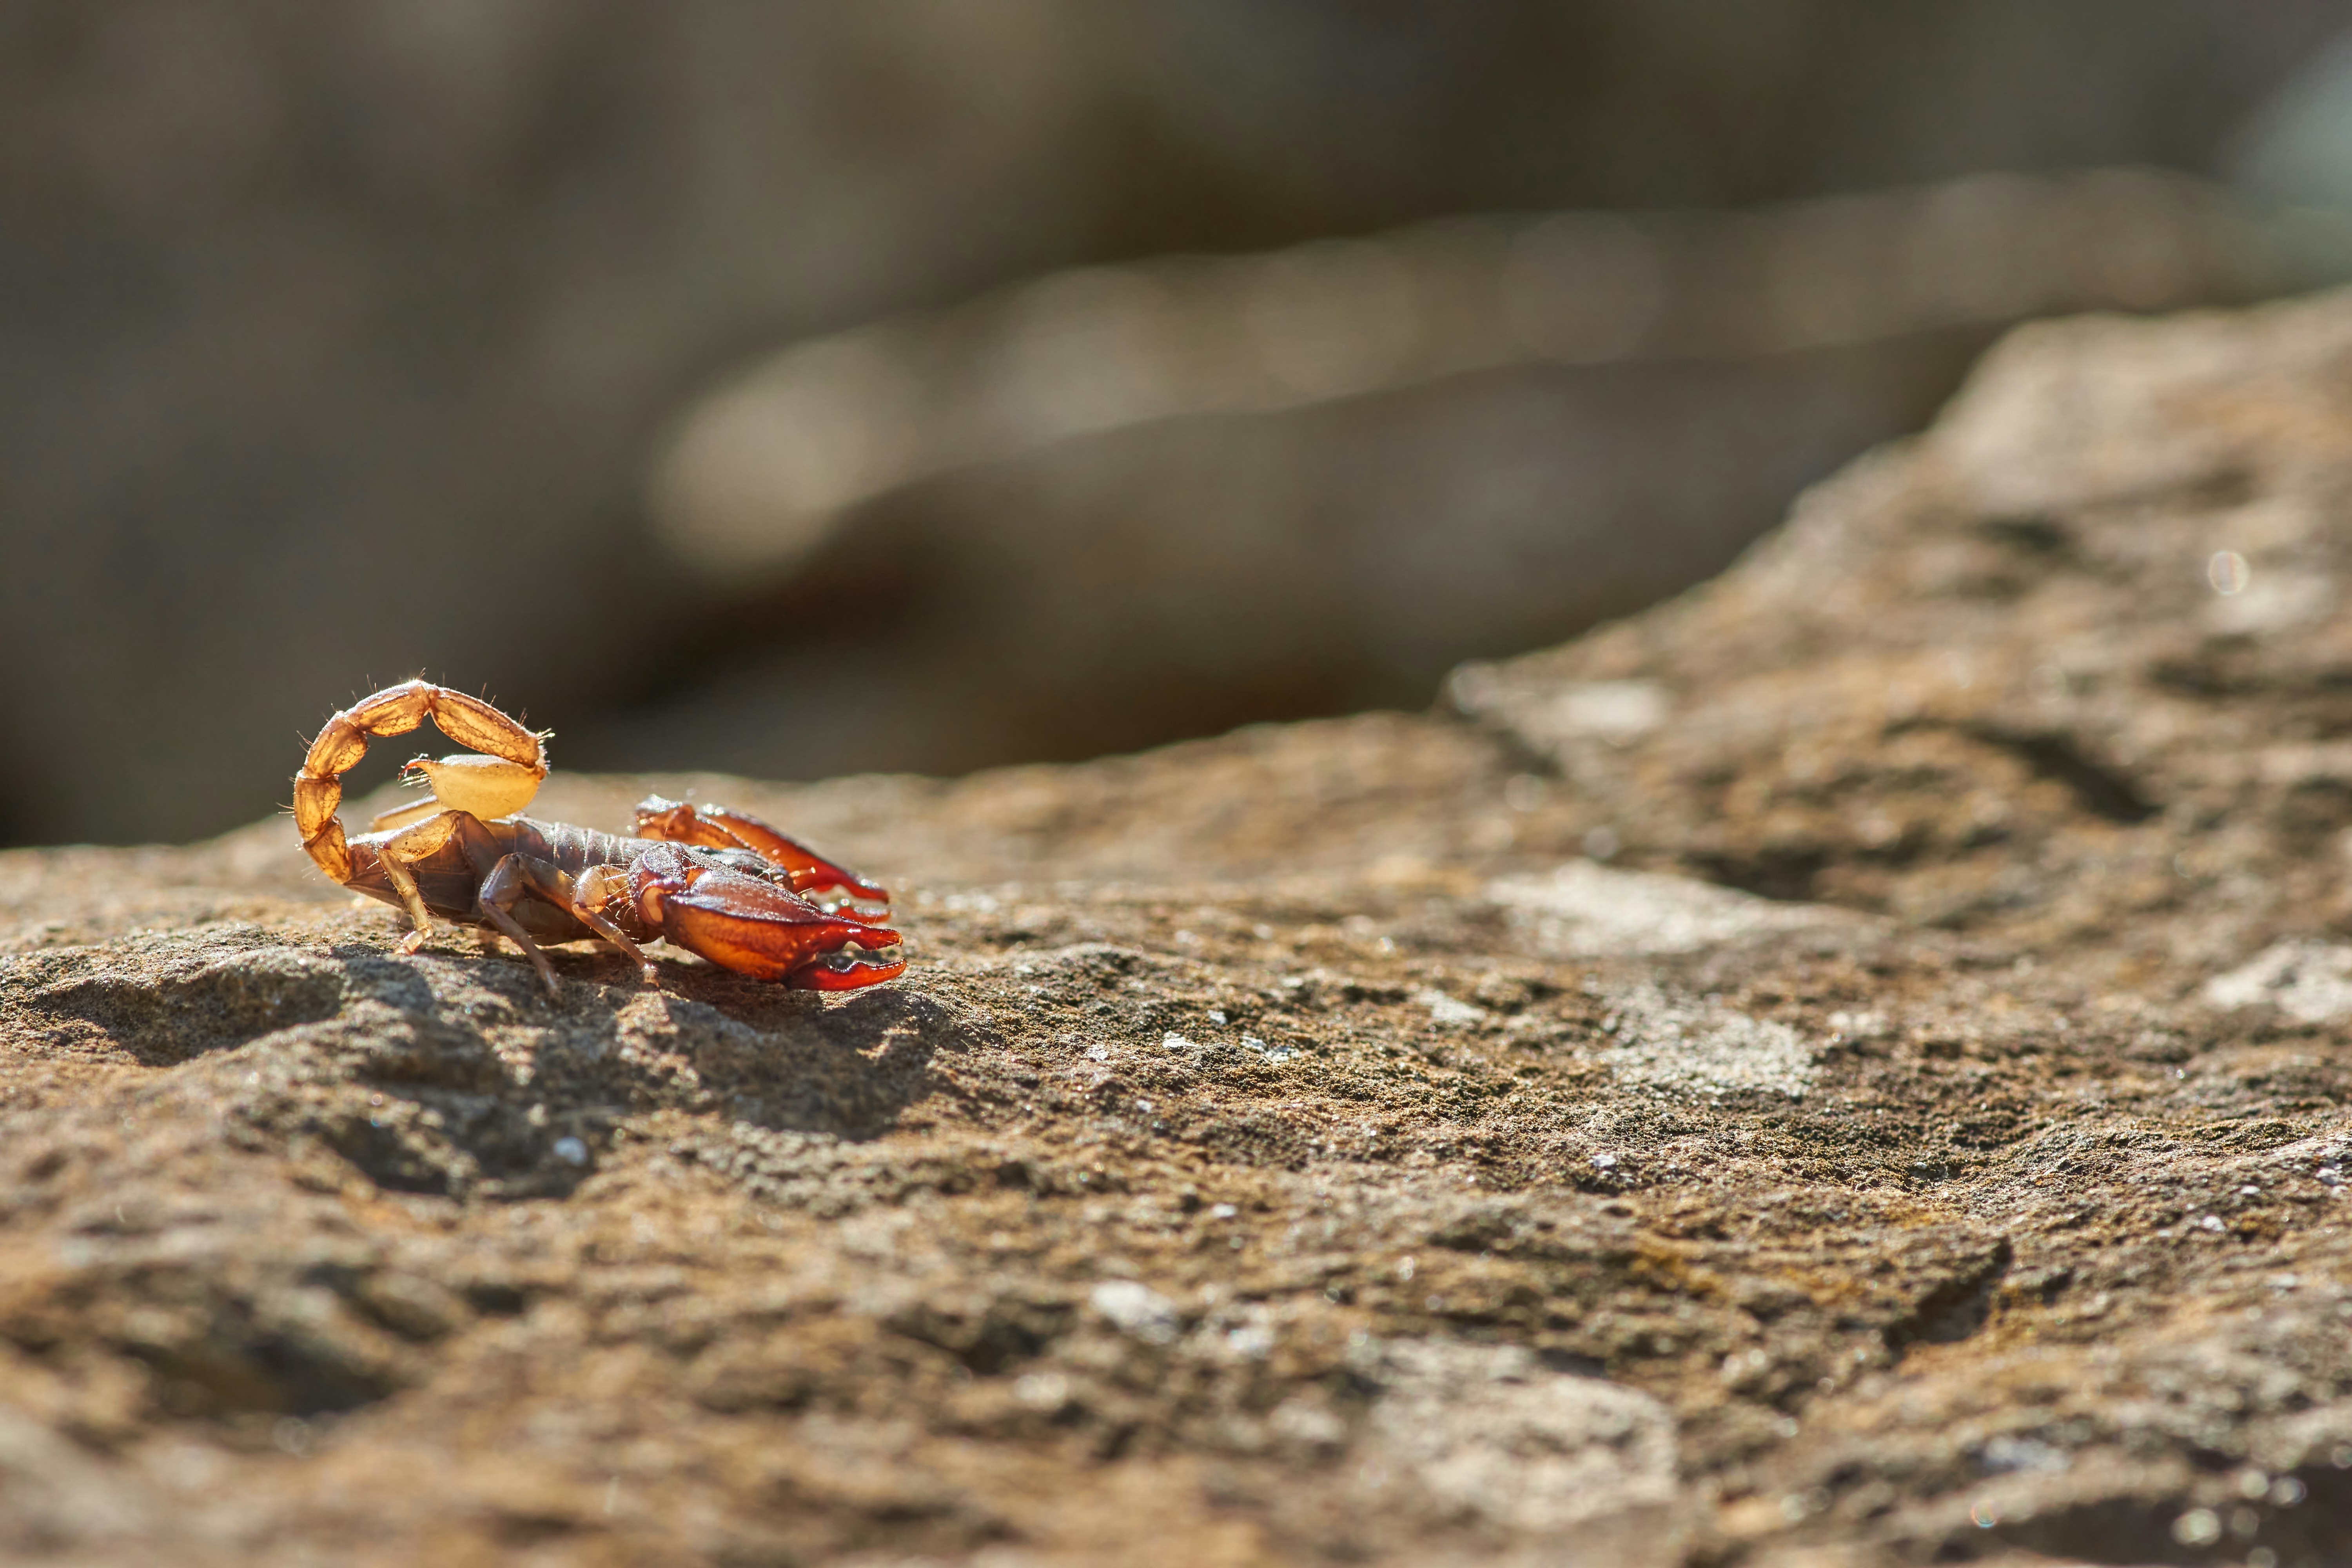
{"points": [[713, 881]]}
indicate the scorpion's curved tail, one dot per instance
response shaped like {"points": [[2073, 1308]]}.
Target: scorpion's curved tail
{"points": [[395, 710]]}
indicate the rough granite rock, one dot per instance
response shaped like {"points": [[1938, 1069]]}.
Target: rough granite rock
{"points": [[1846, 1069]]}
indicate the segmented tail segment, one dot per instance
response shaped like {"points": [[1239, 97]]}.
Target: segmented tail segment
{"points": [[395, 710]]}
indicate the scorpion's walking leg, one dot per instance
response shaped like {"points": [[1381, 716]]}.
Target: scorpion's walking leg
{"points": [[416, 844], [520, 877]]}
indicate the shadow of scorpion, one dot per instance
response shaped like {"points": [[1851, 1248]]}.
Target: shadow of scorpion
{"points": [[713, 881]]}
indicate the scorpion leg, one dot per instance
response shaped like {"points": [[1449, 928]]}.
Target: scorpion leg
{"points": [[518, 877], [592, 892], [415, 844], [497, 916]]}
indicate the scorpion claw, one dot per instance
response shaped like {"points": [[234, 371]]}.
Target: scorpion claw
{"points": [[716, 827], [845, 971], [754, 927]]}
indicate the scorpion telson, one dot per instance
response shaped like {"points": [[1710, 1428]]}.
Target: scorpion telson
{"points": [[713, 881]]}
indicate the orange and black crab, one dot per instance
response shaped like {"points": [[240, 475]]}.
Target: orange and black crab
{"points": [[713, 881]]}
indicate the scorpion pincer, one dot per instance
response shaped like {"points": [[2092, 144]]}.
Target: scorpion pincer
{"points": [[713, 881]]}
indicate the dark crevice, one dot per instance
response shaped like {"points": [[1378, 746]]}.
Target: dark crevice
{"points": [[2031, 534], [1955, 1309], [1789, 876], [2104, 791]]}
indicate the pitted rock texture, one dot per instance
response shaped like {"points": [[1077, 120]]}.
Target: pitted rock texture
{"points": [[2070, 671], [1848, 1069]]}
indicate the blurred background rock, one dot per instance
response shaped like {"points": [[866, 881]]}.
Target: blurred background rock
{"points": [[799, 389]]}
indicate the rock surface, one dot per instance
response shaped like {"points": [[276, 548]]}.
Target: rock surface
{"points": [[1848, 1068]]}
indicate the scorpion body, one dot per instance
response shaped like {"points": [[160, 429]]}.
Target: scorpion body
{"points": [[714, 882], [452, 878]]}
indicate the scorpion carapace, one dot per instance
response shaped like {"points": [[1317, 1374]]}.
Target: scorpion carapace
{"points": [[713, 881]]}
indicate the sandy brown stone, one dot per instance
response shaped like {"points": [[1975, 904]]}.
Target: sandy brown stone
{"points": [[1848, 1068]]}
